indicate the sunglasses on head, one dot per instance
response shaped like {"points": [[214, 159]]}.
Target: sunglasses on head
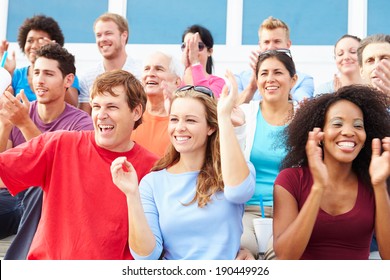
{"points": [[201, 46], [284, 51], [201, 89]]}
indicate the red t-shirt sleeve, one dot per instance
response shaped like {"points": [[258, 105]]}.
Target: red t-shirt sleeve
{"points": [[25, 165]]}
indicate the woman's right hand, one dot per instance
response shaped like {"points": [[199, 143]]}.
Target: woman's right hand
{"points": [[10, 63], [124, 175], [314, 154]]}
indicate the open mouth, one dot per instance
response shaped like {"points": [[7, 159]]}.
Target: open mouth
{"points": [[151, 83], [271, 88], [182, 139], [346, 145], [40, 91], [105, 127]]}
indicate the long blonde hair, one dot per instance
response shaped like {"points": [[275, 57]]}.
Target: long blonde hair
{"points": [[209, 180]]}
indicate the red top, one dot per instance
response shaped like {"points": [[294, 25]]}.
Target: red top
{"points": [[344, 236], [84, 215]]}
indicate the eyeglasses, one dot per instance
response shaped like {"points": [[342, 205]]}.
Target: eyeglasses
{"points": [[201, 46], [285, 51], [201, 89]]}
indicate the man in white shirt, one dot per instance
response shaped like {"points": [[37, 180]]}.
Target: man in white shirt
{"points": [[112, 34]]}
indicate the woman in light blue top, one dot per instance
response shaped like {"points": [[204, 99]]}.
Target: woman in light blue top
{"points": [[261, 135], [345, 55], [191, 205]]}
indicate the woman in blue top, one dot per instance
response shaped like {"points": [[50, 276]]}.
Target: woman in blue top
{"points": [[265, 122], [191, 205], [34, 33]]}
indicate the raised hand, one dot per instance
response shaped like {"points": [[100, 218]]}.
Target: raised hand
{"points": [[382, 71], [193, 53], [254, 57], [336, 82], [317, 166], [10, 63], [227, 103], [16, 108], [124, 175], [253, 64], [168, 89], [380, 161], [184, 57]]}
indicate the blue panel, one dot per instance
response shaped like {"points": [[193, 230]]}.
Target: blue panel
{"points": [[310, 22], [75, 17], [378, 17], [163, 22]]}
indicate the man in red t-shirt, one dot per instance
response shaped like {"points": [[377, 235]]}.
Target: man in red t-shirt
{"points": [[84, 215]]}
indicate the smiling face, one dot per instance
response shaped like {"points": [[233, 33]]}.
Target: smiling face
{"points": [[344, 133], [49, 84], [372, 55], [113, 120], [109, 39], [273, 39], [35, 40], [274, 81], [346, 56], [156, 70], [188, 128]]}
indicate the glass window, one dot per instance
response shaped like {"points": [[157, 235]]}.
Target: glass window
{"points": [[75, 17], [377, 17], [163, 22], [310, 22]]}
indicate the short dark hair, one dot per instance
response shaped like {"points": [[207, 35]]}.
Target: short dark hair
{"points": [[65, 59], [207, 39], [43, 23], [373, 39], [374, 105], [135, 93], [285, 59]]}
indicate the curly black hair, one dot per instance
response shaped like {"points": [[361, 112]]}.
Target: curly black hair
{"points": [[374, 105], [42, 23]]}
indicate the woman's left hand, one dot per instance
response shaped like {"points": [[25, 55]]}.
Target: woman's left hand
{"points": [[380, 161], [227, 103], [229, 95]]}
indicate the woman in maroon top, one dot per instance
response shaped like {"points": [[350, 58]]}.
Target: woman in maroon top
{"points": [[332, 194]]}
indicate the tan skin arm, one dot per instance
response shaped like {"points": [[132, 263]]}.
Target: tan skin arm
{"points": [[85, 107], [292, 228], [379, 172], [233, 164], [72, 96]]}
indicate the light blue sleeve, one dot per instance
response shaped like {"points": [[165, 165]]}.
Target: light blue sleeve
{"points": [[304, 87], [152, 217], [76, 84], [243, 192]]}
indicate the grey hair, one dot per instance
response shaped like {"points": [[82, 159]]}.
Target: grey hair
{"points": [[175, 66]]}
